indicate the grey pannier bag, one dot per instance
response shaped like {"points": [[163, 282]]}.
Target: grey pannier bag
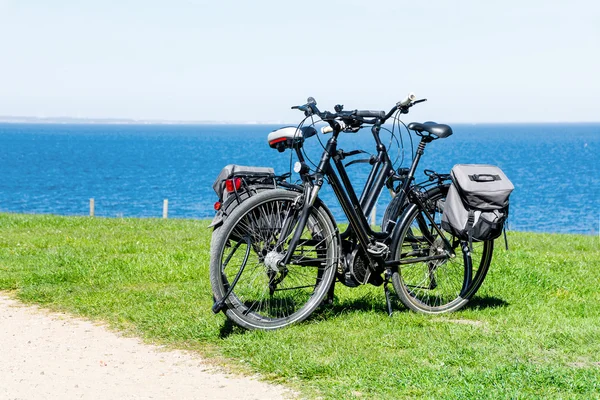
{"points": [[251, 175], [236, 183], [476, 206]]}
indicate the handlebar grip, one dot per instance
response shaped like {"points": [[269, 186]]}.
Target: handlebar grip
{"points": [[341, 125], [370, 113], [407, 100]]}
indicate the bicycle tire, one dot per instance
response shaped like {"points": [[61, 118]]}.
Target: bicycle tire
{"points": [[263, 298], [435, 287]]}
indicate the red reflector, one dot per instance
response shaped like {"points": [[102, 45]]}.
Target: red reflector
{"points": [[217, 205], [278, 140], [233, 184]]}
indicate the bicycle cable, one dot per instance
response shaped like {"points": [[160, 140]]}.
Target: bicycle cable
{"points": [[400, 142], [401, 146], [397, 143], [297, 130], [392, 137], [318, 138], [412, 148]]}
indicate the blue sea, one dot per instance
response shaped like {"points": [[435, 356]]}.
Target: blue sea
{"points": [[130, 169]]}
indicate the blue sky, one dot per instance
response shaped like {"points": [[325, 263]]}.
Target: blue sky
{"points": [[475, 61]]}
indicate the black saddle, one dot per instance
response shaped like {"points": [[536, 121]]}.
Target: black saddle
{"points": [[438, 130]]}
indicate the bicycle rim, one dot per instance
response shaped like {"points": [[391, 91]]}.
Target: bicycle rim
{"points": [[265, 295], [436, 286]]}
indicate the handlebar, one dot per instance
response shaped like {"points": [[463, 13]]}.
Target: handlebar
{"points": [[369, 113], [356, 118]]}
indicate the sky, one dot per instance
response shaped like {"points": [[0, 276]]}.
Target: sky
{"points": [[244, 61]]}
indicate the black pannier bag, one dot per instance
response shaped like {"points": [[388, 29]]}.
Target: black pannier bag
{"points": [[476, 206]]}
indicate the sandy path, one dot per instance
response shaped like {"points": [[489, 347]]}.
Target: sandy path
{"points": [[52, 356]]}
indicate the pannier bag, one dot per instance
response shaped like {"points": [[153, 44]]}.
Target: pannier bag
{"points": [[237, 183], [476, 206], [248, 176]]}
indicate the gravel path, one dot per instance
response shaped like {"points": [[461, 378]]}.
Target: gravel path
{"points": [[53, 356]]}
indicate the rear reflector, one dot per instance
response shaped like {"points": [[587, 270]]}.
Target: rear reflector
{"points": [[233, 184], [217, 206]]}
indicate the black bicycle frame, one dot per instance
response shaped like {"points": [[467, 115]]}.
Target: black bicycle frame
{"points": [[355, 209]]}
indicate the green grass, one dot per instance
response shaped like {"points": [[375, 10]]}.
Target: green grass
{"points": [[532, 331]]}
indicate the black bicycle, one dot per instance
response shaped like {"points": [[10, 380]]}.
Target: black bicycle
{"points": [[279, 253]]}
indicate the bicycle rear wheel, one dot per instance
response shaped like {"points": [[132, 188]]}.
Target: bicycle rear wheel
{"points": [[244, 258], [442, 285]]}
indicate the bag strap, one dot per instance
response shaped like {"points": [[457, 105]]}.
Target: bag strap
{"points": [[504, 229], [470, 223]]}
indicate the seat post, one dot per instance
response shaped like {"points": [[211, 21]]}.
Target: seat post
{"points": [[415, 163]]}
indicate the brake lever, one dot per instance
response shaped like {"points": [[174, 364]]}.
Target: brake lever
{"points": [[305, 108], [404, 109]]}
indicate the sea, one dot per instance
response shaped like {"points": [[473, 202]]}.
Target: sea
{"points": [[130, 169]]}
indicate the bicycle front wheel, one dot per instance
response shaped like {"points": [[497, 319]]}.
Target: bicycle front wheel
{"points": [[440, 285], [245, 255]]}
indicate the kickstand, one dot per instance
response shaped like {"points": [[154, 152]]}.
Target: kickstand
{"points": [[329, 299], [388, 301]]}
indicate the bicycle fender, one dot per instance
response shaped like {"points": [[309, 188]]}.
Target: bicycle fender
{"points": [[392, 212], [217, 220]]}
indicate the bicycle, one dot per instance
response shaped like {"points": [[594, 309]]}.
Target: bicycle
{"points": [[279, 254]]}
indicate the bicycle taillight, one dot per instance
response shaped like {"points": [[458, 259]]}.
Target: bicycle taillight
{"points": [[233, 184]]}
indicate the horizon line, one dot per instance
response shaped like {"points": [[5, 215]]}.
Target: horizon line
{"points": [[65, 120]]}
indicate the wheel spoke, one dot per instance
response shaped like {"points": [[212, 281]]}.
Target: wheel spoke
{"points": [[437, 285], [266, 294]]}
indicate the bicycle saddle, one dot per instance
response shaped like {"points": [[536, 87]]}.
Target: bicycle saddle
{"points": [[438, 130]]}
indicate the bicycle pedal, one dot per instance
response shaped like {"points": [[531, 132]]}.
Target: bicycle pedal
{"points": [[377, 249]]}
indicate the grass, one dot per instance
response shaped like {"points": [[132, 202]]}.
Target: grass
{"points": [[532, 331]]}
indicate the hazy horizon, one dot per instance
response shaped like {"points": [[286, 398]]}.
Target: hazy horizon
{"points": [[196, 60], [9, 119]]}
